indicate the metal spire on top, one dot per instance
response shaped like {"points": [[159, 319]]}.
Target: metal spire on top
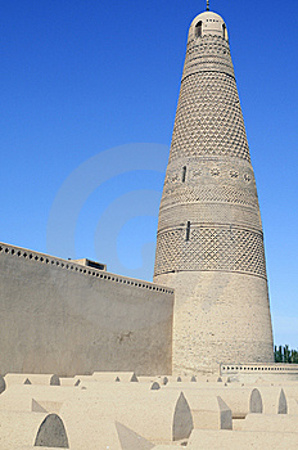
{"points": [[207, 8]]}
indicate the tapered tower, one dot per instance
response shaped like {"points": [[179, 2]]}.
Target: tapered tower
{"points": [[210, 239]]}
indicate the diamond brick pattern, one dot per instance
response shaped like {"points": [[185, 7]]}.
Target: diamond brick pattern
{"points": [[208, 125], [229, 250], [209, 119]]}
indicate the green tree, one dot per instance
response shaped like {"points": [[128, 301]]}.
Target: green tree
{"points": [[283, 354]]}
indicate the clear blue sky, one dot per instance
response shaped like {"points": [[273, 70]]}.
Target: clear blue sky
{"points": [[81, 77]]}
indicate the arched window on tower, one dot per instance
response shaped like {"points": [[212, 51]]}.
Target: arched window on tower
{"points": [[198, 29], [224, 31]]}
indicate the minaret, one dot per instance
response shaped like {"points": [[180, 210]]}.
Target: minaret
{"points": [[210, 239]]}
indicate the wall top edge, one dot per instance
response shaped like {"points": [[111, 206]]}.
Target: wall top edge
{"points": [[64, 264]]}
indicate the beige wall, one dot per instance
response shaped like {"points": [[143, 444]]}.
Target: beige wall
{"points": [[60, 317], [219, 318]]}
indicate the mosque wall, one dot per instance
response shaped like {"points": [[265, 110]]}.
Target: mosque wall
{"points": [[62, 317]]}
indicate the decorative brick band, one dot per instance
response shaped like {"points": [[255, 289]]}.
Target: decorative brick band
{"points": [[202, 214], [218, 194], [212, 124], [207, 45], [40, 258], [250, 368], [208, 249]]}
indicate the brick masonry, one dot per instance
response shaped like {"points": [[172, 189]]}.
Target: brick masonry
{"points": [[210, 239]]}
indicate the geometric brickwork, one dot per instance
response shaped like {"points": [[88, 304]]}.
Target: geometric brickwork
{"points": [[210, 241], [209, 166], [211, 249], [213, 124], [209, 119], [221, 194]]}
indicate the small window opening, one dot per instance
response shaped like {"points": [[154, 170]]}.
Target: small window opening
{"points": [[198, 30], [183, 174], [187, 231], [224, 31]]}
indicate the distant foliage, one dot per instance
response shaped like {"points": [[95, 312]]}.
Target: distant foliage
{"points": [[285, 355]]}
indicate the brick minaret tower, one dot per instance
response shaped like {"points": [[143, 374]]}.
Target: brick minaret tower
{"points": [[210, 239]]}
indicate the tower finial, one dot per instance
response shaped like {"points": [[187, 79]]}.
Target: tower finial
{"points": [[207, 8]]}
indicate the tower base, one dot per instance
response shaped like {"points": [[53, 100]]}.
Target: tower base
{"points": [[219, 318]]}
